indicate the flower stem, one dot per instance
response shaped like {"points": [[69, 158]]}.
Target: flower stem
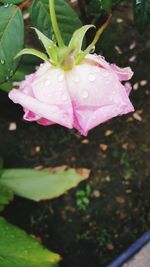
{"points": [[55, 24]]}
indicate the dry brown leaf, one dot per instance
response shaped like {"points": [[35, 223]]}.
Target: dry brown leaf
{"points": [[103, 147], [137, 117], [57, 168], [143, 82], [110, 247], [85, 173], [120, 200], [130, 119], [38, 168], [85, 141], [108, 132], [125, 146], [96, 193]]}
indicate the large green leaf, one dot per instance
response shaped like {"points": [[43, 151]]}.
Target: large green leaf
{"points": [[17, 249], [11, 40], [40, 185], [97, 6], [141, 13], [107, 4], [11, 1], [6, 195], [67, 18]]}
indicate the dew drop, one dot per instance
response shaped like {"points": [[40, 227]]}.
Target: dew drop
{"points": [[93, 49], [85, 94], [105, 73], [2, 61], [47, 83], [61, 77], [91, 78]]}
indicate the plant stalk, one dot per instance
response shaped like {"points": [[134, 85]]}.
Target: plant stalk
{"points": [[55, 24]]}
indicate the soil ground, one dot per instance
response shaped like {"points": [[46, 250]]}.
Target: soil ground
{"points": [[92, 224]]}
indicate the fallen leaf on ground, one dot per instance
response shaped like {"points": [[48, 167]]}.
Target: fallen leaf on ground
{"points": [[85, 141], [137, 117], [120, 200], [108, 132], [85, 173], [125, 146], [103, 147]]}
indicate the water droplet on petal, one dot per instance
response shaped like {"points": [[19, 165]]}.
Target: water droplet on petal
{"points": [[91, 78], [2, 61], [61, 77], [47, 83], [85, 94], [105, 73]]}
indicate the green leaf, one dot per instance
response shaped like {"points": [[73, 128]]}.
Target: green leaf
{"points": [[6, 195], [97, 6], [67, 18], [17, 249], [141, 13], [34, 52], [11, 1], [48, 44], [77, 38], [11, 40], [107, 4], [40, 185]]}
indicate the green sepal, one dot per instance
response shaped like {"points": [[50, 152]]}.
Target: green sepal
{"points": [[76, 41], [48, 44], [83, 54], [33, 52]]}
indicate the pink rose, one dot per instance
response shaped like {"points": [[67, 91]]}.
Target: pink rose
{"points": [[83, 97]]}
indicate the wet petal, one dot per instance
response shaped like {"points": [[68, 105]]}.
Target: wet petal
{"points": [[124, 74], [49, 112]]}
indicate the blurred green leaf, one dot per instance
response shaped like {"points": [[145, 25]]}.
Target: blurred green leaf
{"points": [[97, 6], [20, 250], [11, 1], [141, 10], [11, 40], [6, 195], [107, 4], [67, 18], [40, 185]]}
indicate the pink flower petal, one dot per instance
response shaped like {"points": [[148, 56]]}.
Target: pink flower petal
{"points": [[124, 74], [49, 112]]}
